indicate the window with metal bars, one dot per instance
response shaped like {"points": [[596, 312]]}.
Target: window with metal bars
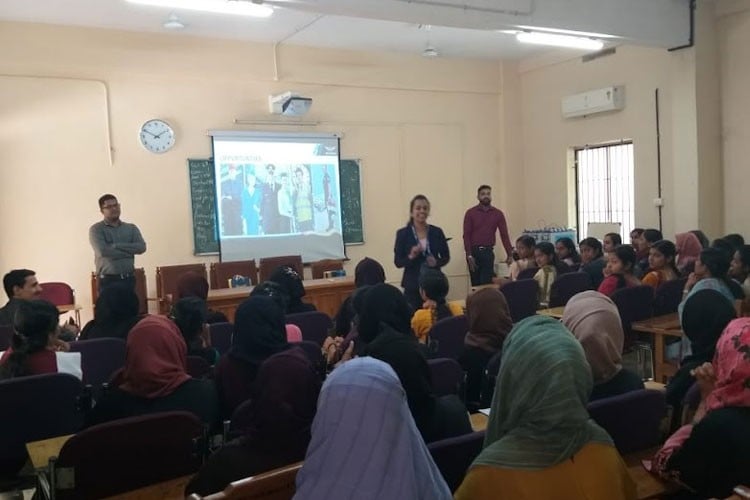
{"points": [[604, 186]]}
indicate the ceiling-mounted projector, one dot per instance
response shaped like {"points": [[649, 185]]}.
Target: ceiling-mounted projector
{"points": [[289, 104]]}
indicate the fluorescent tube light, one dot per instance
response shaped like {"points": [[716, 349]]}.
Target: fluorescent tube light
{"points": [[573, 42], [235, 7]]}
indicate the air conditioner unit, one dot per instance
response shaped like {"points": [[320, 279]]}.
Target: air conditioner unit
{"points": [[594, 101]]}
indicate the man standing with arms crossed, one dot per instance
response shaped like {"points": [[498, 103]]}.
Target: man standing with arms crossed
{"points": [[480, 224], [115, 243]]}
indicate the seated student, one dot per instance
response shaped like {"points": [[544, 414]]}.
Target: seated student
{"points": [[566, 252], [712, 454], [593, 261], [595, 321], [35, 349], [368, 272], [736, 240], [433, 288], [525, 250], [739, 269], [612, 241], [364, 442], [280, 296], [710, 273], [619, 271], [291, 281], [117, 311], [701, 237], [661, 264], [342, 348], [540, 441], [285, 395], [154, 378], [189, 314], [688, 250], [549, 268], [20, 285], [385, 333], [258, 334], [192, 284], [645, 242], [489, 323], [704, 317]]}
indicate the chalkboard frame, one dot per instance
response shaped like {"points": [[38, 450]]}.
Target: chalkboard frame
{"points": [[197, 245], [197, 250], [356, 163]]}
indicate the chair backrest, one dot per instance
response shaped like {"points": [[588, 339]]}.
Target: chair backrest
{"points": [[221, 336], [490, 378], [527, 273], [198, 367], [315, 325], [140, 289], [453, 456], [241, 419], [277, 484], [166, 282], [632, 419], [634, 304], [668, 296], [522, 297], [447, 376], [566, 286], [447, 337], [6, 337], [127, 454], [60, 294], [100, 358], [222, 272], [34, 408], [320, 267], [268, 265]]}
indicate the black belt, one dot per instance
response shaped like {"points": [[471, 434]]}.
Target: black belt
{"points": [[122, 276], [483, 248]]}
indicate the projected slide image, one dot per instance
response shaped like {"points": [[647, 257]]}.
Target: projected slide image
{"points": [[279, 199], [278, 194]]}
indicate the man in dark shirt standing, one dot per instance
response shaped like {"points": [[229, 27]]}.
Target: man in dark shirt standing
{"points": [[480, 224], [115, 243]]}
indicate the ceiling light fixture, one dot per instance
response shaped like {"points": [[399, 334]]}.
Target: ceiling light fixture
{"points": [[234, 7], [173, 22], [556, 40]]}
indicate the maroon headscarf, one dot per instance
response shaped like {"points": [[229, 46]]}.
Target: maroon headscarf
{"points": [[155, 359], [192, 284], [285, 397]]}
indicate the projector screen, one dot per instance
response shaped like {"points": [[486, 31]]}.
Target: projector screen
{"points": [[278, 194]]}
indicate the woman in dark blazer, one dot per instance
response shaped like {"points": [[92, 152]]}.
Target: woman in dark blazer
{"points": [[419, 245]]}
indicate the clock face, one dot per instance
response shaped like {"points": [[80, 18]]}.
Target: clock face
{"points": [[157, 136]]}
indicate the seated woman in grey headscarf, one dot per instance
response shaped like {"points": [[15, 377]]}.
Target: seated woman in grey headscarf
{"points": [[594, 320], [365, 444]]}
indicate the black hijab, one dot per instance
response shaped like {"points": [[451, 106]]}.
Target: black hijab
{"points": [[368, 272], [115, 314], [259, 330], [291, 282], [704, 317], [385, 327]]}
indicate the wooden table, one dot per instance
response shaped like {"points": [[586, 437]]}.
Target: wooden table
{"points": [[41, 451], [327, 294], [660, 327], [553, 312], [167, 490]]}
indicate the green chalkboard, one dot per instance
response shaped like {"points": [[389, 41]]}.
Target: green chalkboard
{"points": [[351, 202], [203, 201]]}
